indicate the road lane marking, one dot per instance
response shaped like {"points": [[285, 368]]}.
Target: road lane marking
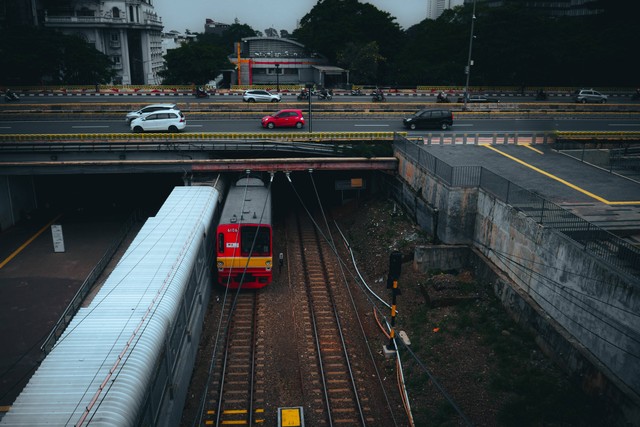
{"points": [[562, 181], [89, 127], [371, 126], [530, 147], [25, 244]]}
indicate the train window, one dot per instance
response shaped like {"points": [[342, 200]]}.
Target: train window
{"points": [[221, 242], [262, 241]]}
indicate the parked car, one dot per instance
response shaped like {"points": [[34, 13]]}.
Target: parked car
{"points": [[166, 120], [429, 118], [590, 95], [284, 118], [256, 95], [149, 109], [478, 99]]}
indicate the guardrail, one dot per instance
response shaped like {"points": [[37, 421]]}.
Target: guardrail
{"points": [[166, 137]]}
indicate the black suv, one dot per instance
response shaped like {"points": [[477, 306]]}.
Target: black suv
{"points": [[429, 118]]}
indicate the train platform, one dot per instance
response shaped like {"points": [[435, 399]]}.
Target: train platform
{"points": [[610, 201], [37, 284]]}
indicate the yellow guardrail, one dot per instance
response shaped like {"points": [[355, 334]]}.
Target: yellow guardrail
{"points": [[598, 134], [119, 137]]}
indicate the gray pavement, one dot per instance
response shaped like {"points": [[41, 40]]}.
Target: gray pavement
{"points": [[608, 200], [37, 284]]}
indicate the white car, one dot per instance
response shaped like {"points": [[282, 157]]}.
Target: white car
{"points": [[259, 95], [148, 109], [160, 121]]}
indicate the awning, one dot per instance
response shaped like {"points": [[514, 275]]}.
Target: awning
{"points": [[329, 69]]}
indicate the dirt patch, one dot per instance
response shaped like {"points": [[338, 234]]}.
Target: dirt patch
{"points": [[468, 362]]}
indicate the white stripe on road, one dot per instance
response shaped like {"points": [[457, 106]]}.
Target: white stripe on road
{"points": [[89, 127], [371, 126]]}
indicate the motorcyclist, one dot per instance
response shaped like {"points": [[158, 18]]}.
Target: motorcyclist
{"points": [[378, 95], [542, 95], [304, 94], [10, 95], [442, 97], [636, 95]]}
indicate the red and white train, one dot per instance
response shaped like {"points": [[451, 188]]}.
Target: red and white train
{"points": [[244, 237]]}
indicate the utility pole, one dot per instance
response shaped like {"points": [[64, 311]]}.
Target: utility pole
{"points": [[468, 68], [395, 266]]}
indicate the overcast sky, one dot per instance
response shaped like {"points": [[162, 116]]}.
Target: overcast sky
{"points": [[261, 14]]}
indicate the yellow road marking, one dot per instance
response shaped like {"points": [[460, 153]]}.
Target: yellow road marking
{"points": [[562, 181], [531, 147], [25, 244]]}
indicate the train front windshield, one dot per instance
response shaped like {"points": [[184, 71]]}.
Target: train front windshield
{"points": [[262, 241]]}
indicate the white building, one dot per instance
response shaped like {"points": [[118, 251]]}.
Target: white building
{"points": [[128, 31], [436, 7]]}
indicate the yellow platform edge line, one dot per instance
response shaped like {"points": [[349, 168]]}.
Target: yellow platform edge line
{"points": [[562, 181], [25, 244]]}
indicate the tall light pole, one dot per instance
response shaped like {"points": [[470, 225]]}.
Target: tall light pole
{"points": [[277, 78], [468, 69]]}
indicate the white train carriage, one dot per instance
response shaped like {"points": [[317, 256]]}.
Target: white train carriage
{"points": [[126, 359]]}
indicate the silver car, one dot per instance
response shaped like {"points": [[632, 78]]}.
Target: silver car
{"points": [[590, 95], [148, 109], [259, 95]]}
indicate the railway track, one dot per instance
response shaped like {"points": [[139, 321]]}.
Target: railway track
{"points": [[337, 400], [236, 396]]}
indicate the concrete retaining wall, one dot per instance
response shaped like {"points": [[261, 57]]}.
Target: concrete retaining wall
{"points": [[586, 313], [552, 337], [17, 198], [447, 212]]}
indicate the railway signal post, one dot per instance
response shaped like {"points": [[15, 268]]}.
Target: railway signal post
{"points": [[395, 266]]}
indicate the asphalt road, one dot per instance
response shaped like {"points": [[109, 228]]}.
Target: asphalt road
{"points": [[319, 124]]}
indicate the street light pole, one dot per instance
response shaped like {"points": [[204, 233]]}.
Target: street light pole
{"points": [[468, 70], [278, 78]]}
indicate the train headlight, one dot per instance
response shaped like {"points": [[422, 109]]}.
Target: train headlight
{"points": [[268, 264], [220, 265]]}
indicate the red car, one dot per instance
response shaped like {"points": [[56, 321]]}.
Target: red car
{"points": [[284, 118]]}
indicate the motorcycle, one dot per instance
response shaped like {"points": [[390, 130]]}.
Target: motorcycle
{"points": [[636, 95], [325, 94], [10, 96], [200, 93], [303, 95], [356, 92], [541, 95], [442, 98], [378, 97]]}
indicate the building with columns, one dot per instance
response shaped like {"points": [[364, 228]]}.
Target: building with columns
{"points": [[128, 31]]}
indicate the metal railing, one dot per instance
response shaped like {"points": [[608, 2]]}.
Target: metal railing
{"points": [[599, 242]]}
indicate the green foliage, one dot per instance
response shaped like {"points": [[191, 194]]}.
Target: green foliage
{"points": [[361, 60], [333, 25], [44, 56], [203, 59], [194, 62]]}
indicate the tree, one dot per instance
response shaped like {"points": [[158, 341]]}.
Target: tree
{"points": [[362, 60], [194, 62], [40, 55], [332, 24]]}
